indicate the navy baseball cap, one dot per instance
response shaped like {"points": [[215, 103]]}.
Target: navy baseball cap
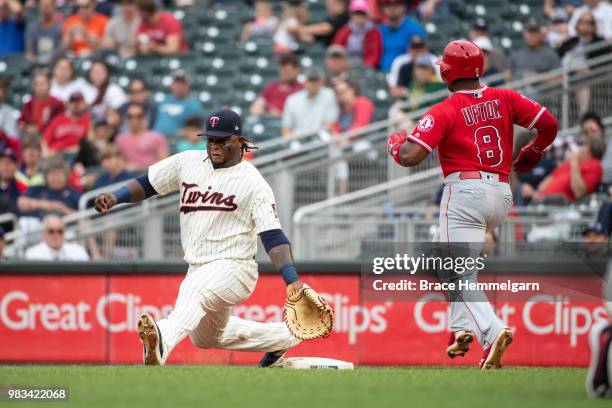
{"points": [[595, 227], [223, 123], [9, 153]]}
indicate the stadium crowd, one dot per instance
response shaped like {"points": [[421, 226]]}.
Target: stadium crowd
{"points": [[76, 133]]}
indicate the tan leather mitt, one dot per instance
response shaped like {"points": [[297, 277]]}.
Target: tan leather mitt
{"points": [[307, 315]]}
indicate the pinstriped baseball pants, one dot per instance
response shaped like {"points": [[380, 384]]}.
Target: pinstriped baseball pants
{"points": [[203, 311], [468, 209]]}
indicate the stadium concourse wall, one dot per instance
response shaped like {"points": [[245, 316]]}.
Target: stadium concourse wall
{"points": [[87, 312]]}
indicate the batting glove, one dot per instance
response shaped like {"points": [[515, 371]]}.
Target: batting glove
{"points": [[527, 159], [394, 144]]}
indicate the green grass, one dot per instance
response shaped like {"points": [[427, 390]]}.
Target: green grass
{"points": [[216, 386]]}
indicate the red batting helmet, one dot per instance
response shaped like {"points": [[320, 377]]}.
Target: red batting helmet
{"points": [[461, 59]]}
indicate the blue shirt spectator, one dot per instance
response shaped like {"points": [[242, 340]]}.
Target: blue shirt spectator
{"points": [[67, 196], [54, 197], [113, 166], [177, 107], [396, 33], [12, 27]]}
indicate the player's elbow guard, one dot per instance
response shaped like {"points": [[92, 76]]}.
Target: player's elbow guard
{"points": [[273, 238]]}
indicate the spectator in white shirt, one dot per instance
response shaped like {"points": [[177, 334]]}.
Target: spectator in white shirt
{"points": [[65, 82], [108, 94], [601, 10], [311, 110], [53, 246]]}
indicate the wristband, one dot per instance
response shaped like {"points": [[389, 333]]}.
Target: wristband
{"points": [[394, 151], [122, 195], [289, 273]]}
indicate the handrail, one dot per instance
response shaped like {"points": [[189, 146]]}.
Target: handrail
{"points": [[389, 185], [366, 192], [85, 197]]}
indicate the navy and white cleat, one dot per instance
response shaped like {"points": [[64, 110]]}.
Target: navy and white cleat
{"points": [[272, 359], [151, 339]]}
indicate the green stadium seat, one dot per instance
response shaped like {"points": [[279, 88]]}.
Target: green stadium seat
{"points": [[14, 65]]}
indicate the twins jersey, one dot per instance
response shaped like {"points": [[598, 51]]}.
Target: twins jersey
{"points": [[221, 210], [473, 129]]}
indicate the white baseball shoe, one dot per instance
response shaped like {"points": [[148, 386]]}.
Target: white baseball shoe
{"points": [[492, 356], [459, 343], [151, 340]]}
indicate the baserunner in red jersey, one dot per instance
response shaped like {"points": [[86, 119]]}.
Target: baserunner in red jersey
{"points": [[473, 132]]}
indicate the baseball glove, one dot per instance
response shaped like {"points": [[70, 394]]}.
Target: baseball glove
{"points": [[307, 315]]}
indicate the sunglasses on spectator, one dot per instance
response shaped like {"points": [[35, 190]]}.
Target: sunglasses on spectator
{"points": [[590, 22], [52, 231]]}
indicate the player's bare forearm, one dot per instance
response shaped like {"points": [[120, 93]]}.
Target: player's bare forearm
{"points": [[281, 255], [411, 154], [404, 152], [106, 201]]}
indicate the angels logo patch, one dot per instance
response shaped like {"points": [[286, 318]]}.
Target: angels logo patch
{"points": [[426, 123]]}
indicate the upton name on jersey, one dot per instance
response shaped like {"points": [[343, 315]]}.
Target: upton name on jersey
{"points": [[221, 210], [474, 129]]}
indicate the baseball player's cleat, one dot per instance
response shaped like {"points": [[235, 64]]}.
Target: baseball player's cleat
{"points": [[272, 359], [459, 343], [151, 339], [599, 376], [492, 356]]}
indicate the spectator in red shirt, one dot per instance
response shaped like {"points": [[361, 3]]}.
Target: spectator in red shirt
{"points": [[65, 131], [360, 36], [272, 100], [578, 176], [41, 108], [355, 111], [159, 32]]}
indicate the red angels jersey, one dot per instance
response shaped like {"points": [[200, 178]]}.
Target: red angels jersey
{"points": [[473, 129]]}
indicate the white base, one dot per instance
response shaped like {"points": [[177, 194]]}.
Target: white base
{"points": [[315, 363]]}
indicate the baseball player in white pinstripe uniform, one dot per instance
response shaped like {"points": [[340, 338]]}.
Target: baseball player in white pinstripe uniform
{"points": [[224, 204]]}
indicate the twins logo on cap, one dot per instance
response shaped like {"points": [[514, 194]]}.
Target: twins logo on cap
{"points": [[214, 121]]}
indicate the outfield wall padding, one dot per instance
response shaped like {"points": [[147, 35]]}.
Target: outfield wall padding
{"points": [[87, 313]]}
